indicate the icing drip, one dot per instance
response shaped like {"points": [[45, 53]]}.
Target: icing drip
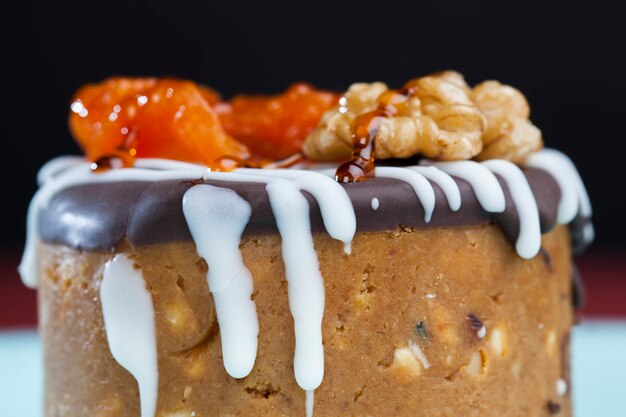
{"points": [[78, 174], [421, 186], [335, 205], [483, 182], [128, 315], [57, 166], [291, 210], [306, 285], [445, 182], [574, 198], [548, 161], [310, 398], [529, 237], [216, 218]]}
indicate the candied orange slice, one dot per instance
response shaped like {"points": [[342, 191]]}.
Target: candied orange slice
{"points": [[275, 126]]}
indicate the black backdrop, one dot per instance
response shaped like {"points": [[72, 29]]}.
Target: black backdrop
{"points": [[567, 59]]}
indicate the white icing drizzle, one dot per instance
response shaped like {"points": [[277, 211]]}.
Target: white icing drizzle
{"points": [[335, 205], [424, 191], [444, 181], [216, 218], [574, 197], [76, 175], [306, 285], [55, 166], [310, 399], [374, 203], [167, 164], [289, 206], [569, 204], [128, 315], [484, 183], [529, 237]]}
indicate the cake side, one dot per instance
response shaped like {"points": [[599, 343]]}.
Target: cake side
{"points": [[403, 329]]}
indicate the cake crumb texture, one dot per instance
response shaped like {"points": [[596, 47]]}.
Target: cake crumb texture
{"points": [[432, 322]]}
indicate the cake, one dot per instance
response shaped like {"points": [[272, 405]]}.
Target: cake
{"points": [[375, 253]]}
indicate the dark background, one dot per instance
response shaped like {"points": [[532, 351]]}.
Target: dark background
{"points": [[567, 59]]}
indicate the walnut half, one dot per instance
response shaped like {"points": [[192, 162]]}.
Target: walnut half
{"points": [[444, 119], [510, 135]]}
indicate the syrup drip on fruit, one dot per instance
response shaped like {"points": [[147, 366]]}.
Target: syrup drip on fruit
{"points": [[228, 163], [119, 159], [361, 165]]}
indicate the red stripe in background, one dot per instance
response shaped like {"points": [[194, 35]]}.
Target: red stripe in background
{"points": [[604, 273], [18, 304]]}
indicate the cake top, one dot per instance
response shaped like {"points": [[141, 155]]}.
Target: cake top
{"points": [[437, 116], [447, 155]]}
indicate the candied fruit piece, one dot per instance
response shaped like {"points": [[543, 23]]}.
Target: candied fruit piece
{"points": [[275, 126], [102, 114], [180, 124], [147, 117]]}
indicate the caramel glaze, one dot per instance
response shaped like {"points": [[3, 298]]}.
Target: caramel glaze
{"points": [[365, 127]]}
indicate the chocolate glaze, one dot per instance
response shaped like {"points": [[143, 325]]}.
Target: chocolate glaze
{"points": [[90, 217], [100, 216]]}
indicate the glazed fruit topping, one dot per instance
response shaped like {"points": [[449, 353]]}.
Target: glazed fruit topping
{"points": [[275, 127], [124, 118]]}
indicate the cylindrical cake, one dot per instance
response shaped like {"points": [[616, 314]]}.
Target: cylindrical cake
{"points": [[203, 260], [446, 322], [428, 309]]}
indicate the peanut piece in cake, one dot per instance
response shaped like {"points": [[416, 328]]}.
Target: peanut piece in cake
{"points": [[180, 316], [551, 342], [496, 341], [477, 364], [410, 359]]}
